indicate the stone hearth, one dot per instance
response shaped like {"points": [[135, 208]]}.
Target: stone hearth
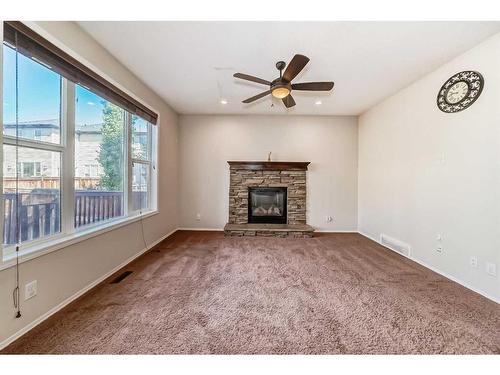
{"points": [[246, 174], [269, 230]]}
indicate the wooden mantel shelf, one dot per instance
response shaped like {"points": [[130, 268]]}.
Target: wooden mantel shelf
{"points": [[270, 165]]}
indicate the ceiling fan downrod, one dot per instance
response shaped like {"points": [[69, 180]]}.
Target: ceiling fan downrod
{"points": [[280, 65]]}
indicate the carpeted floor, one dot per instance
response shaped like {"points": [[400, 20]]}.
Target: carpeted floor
{"points": [[199, 292]]}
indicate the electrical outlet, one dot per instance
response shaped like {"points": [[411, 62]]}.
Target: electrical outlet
{"points": [[439, 249], [473, 262], [30, 290], [329, 219], [198, 217], [491, 269]]}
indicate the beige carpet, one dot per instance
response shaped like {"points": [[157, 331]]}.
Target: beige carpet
{"points": [[339, 293]]}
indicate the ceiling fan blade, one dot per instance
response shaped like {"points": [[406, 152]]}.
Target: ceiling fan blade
{"points": [[313, 86], [288, 101], [251, 78], [254, 98], [294, 67]]}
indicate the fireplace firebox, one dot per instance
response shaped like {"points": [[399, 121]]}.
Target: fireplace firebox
{"points": [[267, 205]]}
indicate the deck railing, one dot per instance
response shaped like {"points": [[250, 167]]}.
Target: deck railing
{"points": [[40, 213], [94, 206], [35, 220]]}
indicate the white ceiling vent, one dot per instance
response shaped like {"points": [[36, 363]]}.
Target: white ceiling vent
{"points": [[396, 245]]}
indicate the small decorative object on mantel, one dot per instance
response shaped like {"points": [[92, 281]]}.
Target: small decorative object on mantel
{"points": [[269, 156], [460, 91]]}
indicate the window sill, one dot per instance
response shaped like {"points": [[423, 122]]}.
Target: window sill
{"points": [[40, 249]]}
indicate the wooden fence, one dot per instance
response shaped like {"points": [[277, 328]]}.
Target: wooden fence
{"points": [[30, 183]]}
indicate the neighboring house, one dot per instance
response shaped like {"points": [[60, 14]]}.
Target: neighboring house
{"points": [[87, 145], [36, 169], [41, 169]]}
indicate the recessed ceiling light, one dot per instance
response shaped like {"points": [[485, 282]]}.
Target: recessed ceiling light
{"points": [[318, 102], [223, 101]]}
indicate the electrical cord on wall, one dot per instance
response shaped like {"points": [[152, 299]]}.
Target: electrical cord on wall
{"points": [[15, 293], [142, 230], [146, 246]]}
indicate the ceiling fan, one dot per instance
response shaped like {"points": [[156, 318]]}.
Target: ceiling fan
{"points": [[282, 86]]}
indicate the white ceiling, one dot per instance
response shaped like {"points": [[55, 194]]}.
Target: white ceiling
{"points": [[190, 64]]}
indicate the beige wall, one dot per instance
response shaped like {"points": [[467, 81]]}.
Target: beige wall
{"points": [[329, 143], [63, 273], [424, 173]]}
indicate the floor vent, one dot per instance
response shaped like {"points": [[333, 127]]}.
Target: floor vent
{"points": [[121, 277], [396, 245]]}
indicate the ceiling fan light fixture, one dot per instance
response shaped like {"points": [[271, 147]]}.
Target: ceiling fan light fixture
{"points": [[281, 92], [282, 86]]}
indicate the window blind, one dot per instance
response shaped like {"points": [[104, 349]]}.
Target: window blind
{"points": [[33, 45]]}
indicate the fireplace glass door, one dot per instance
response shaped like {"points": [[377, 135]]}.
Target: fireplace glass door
{"points": [[267, 205]]}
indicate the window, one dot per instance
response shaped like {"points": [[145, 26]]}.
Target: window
{"points": [[37, 134], [37, 201], [92, 170], [32, 165], [99, 144], [141, 163], [38, 103], [29, 169], [75, 156]]}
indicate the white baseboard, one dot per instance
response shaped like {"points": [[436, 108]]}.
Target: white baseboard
{"points": [[438, 271], [81, 292]]}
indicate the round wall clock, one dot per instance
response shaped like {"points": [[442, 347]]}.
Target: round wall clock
{"points": [[460, 91]]}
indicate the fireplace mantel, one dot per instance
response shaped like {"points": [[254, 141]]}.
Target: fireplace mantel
{"points": [[269, 165]]}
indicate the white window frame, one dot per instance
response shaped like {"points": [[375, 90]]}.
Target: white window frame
{"points": [[35, 164], [148, 162], [126, 173], [39, 136], [60, 148], [68, 234]]}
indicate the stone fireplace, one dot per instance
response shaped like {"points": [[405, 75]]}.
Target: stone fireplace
{"points": [[267, 199]]}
